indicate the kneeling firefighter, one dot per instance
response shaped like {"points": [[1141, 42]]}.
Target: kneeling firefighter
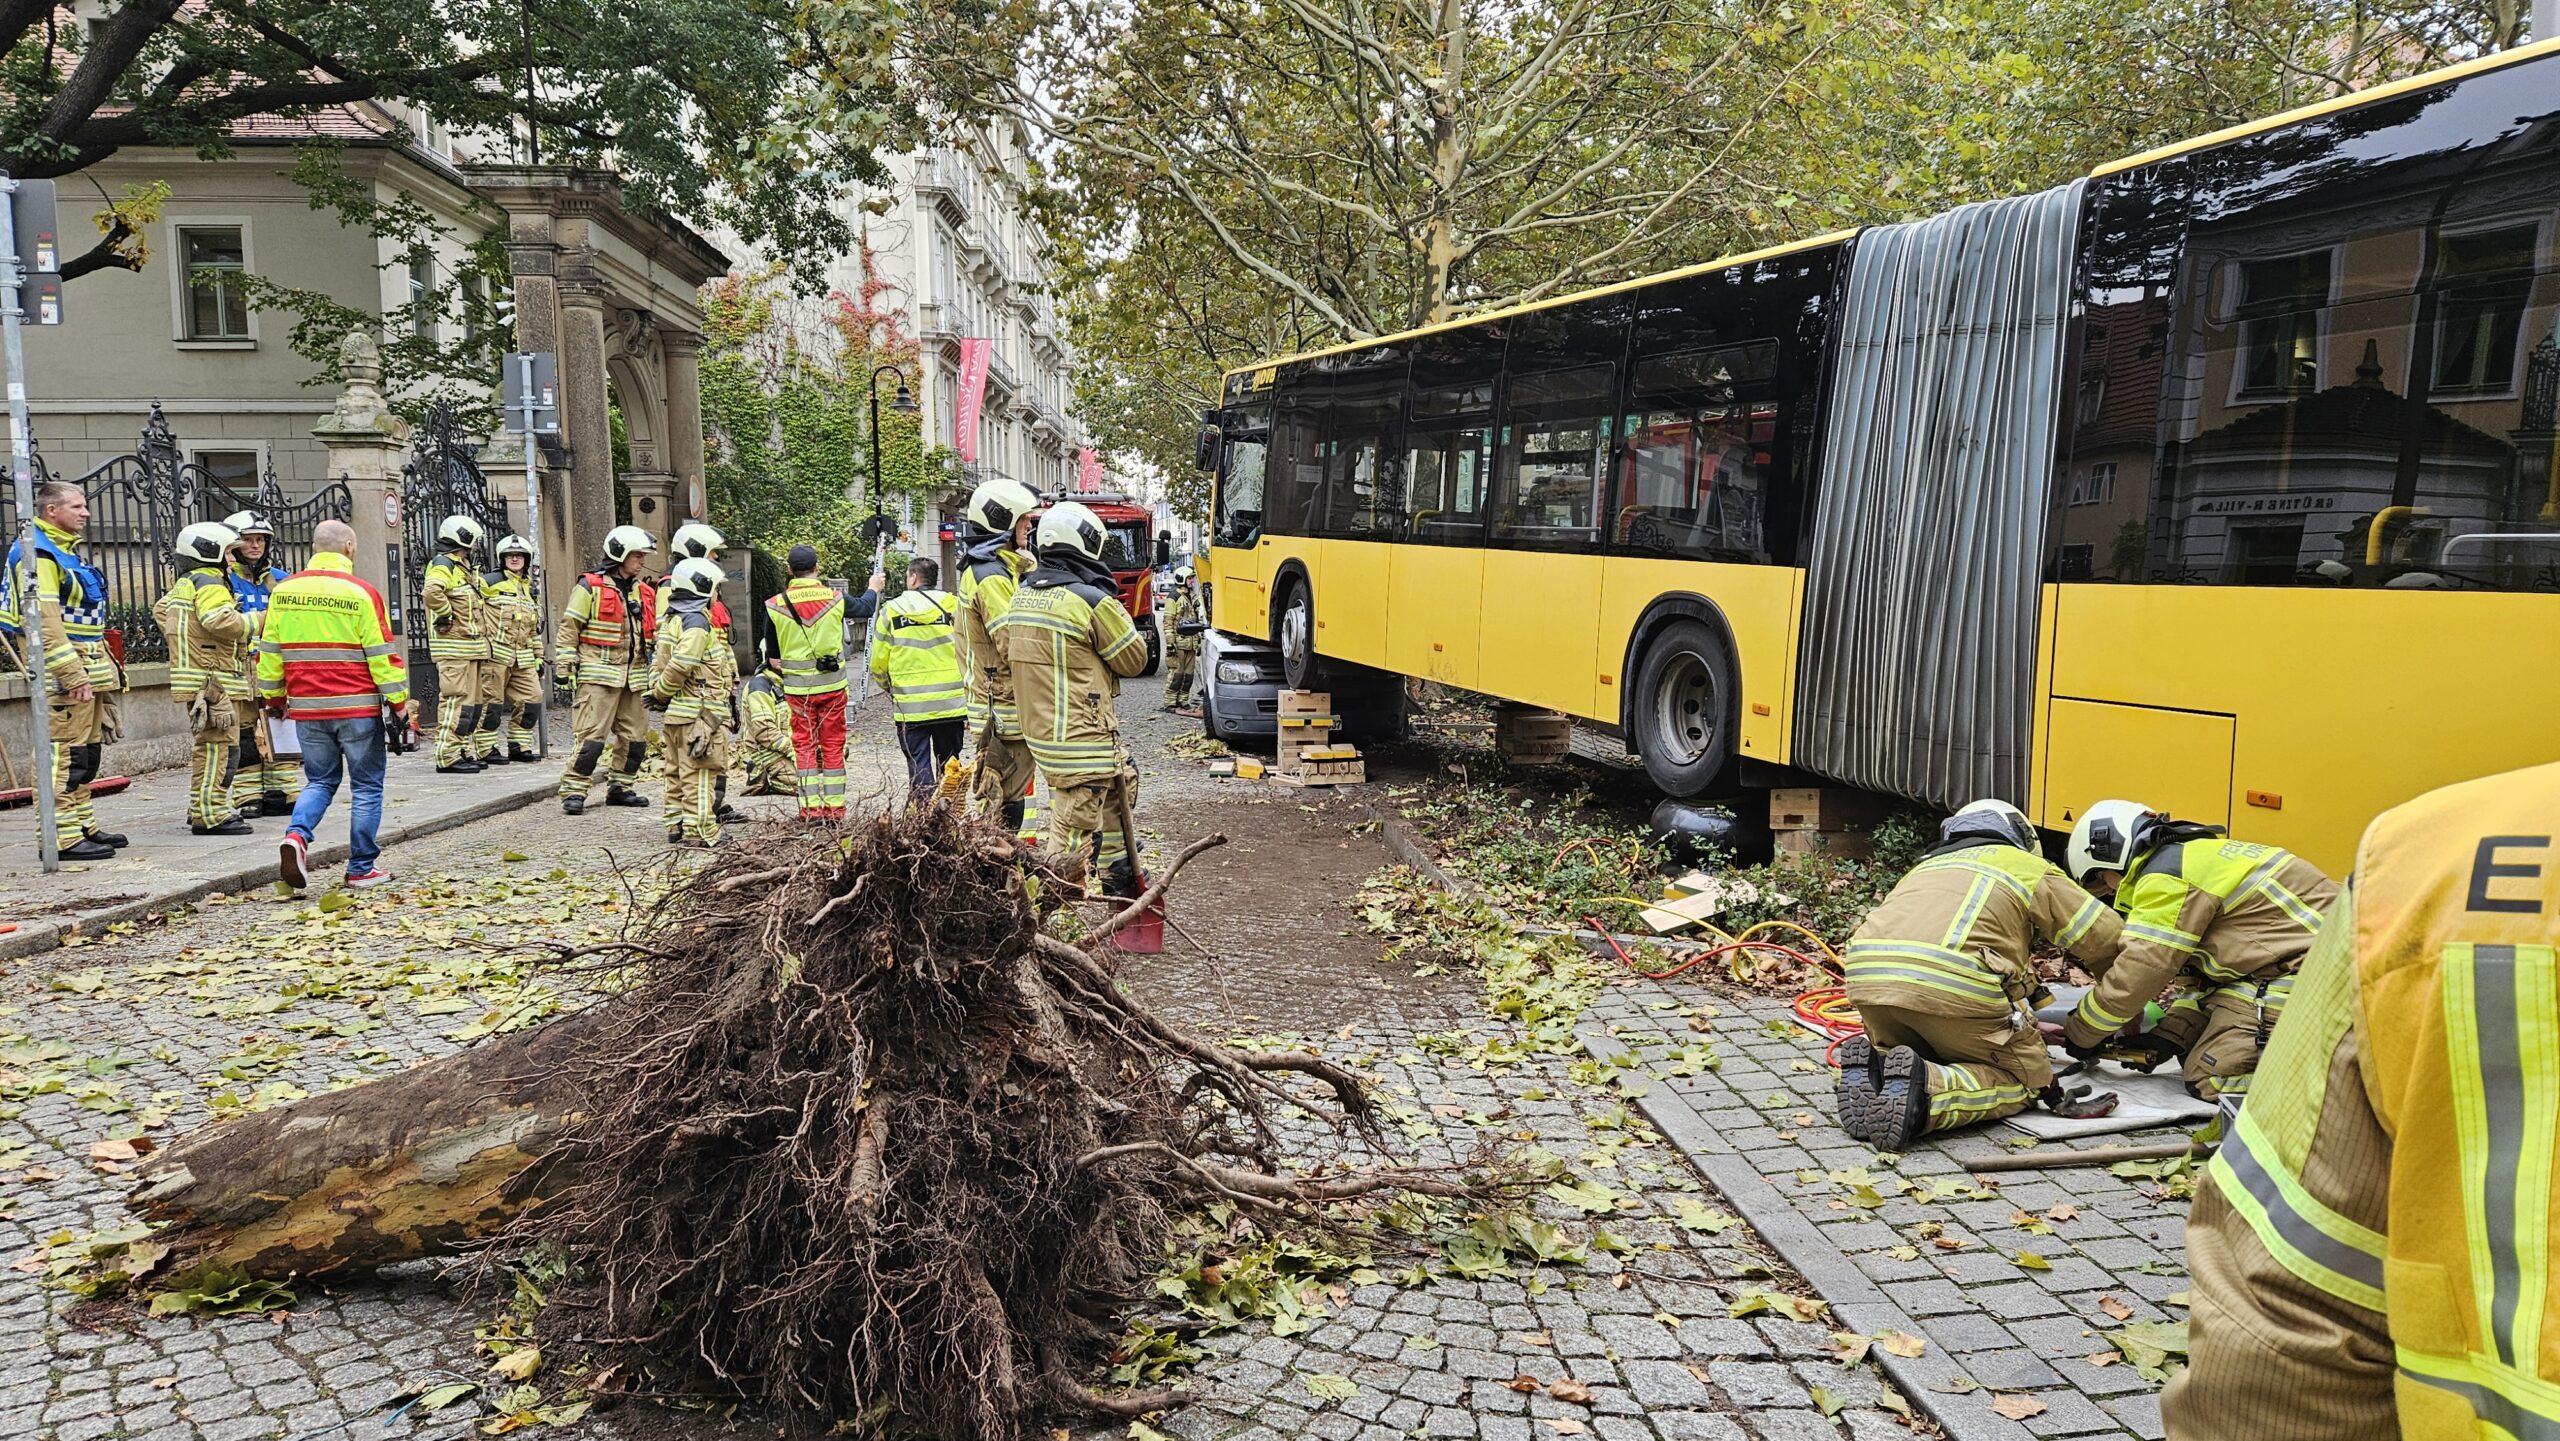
{"points": [[1941, 977]]}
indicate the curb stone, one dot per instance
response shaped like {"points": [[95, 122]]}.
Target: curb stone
{"points": [[35, 938]]}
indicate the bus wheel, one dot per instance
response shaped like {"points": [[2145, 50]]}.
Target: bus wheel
{"points": [[1299, 664], [1687, 708]]}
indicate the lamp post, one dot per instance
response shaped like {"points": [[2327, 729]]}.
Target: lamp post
{"points": [[904, 403]]}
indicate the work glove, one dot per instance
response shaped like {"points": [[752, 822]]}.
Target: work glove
{"points": [[200, 715], [698, 745], [654, 701]]}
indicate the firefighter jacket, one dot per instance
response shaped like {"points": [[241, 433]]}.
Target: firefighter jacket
{"points": [[1069, 643], [606, 631], [457, 613], [666, 598], [808, 636], [2224, 910], [515, 619], [2373, 1245], [694, 671], [1955, 936], [915, 651], [326, 648], [210, 649], [1186, 608], [989, 575], [768, 716], [71, 610]]}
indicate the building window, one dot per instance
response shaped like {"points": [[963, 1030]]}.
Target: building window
{"points": [[217, 300], [2093, 397], [237, 469], [422, 284], [2487, 277], [2280, 303], [2096, 485]]}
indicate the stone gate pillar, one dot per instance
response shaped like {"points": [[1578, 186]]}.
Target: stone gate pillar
{"points": [[683, 369], [367, 444]]}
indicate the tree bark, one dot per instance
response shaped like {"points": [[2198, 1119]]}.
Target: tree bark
{"points": [[417, 1164]]}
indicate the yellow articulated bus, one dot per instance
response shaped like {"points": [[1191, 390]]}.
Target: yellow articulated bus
{"points": [[2223, 479]]}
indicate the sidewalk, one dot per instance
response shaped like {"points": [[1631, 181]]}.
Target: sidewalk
{"points": [[166, 866]]}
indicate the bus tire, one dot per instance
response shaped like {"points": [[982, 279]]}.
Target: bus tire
{"points": [[1294, 632], [1688, 708]]}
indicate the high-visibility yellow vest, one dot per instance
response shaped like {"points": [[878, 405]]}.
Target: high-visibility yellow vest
{"points": [[808, 636], [917, 655]]}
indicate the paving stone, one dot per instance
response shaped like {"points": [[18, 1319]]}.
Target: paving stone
{"points": [[1637, 1336], [1756, 1383], [1660, 1385], [2068, 1413], [2140, 1414], [1975, 1332], [1449, 1421], [2010, 1370], [1696, 1426]]}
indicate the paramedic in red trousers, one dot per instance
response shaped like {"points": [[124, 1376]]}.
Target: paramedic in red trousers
{"points": [[808, 649], [326, 662]]}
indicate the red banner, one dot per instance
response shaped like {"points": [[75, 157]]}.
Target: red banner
{"points": [[973, 393], [1088, 469]]}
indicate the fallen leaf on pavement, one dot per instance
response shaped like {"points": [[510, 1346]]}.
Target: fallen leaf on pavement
{"points": [[2064, 1212], [1850, 1347], [2115, 1308], [1826, 1402], [1524, 1383], [2017, 1408], [1901, 1343], [1566, 1425], [519, 1363], [1535, 1338], [1566, 1388], [2102, 1358]]}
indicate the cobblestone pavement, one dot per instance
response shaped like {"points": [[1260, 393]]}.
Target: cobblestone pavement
{"points": [[247, 1001]]}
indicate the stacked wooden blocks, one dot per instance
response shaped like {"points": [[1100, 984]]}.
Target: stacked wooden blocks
{"points": [[1308, 753], [1825, 820], [1528, 737]]}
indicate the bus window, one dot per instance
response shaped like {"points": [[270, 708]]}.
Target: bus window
{"points": [[1248, 444], [1363, 472], [1694, 466], [1445, 472], [1295, 475]]}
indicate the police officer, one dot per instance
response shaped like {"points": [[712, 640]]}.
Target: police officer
{"points": [[260, 784], [1182, 649], [209, 653], [764, 750], [1943, 978], [807, 618], [693, 680], [991, 569], [2372, 1247], [458, 638], [607, 629], [516, 697], [2228, 918], [71, 645], [1069, 644], [915, 653]]}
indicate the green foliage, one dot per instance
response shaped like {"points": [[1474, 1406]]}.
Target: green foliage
{"points": [[1549, 859], [1540, 983]]}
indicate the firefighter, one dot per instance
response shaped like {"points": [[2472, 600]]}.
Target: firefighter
{"points": [[459, 637], [693, 679], [808, 637], [607, 630], [71, 645], [1182, 649], [1069, 645], [915, 654], [693, 541], [2372, 1245], [208, 640], [765, 749], [2228, 919], [516, 698], [991, 569], [260, 784], [1942, 977]]}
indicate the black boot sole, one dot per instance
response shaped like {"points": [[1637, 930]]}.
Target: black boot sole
{"points": [[1854, 1097], [1902, 1101]]}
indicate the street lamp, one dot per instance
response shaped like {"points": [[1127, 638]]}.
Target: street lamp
{"points": [[904, 403]]}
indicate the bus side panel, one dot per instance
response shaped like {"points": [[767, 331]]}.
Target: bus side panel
{"points": [[2348, 702], [1539, 644], [1351, 604], [1237, 603], [1759, 604], [1277, 551], [1434, 595]]}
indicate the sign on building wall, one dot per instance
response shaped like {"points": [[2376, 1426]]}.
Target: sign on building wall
{"points": [[973, 392]]}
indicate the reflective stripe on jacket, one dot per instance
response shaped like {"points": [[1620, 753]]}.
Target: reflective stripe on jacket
{"points": [[808, 636], [1956, 935], [987, 583], [916, 654], [208, 636], [515, 620], [457, 616], [596, 638], [2224, 909], [1068, 643], [71, 609], [2373, 1244], [326, 648], [767, 716], [694, 670]]}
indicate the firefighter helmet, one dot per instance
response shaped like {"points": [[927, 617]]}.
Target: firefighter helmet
{"points": [[1074, 526], [695, 579], [2105, 836], [515, 545], [695, 541], [459, 532], [625, 541], [998, 505], [248, 522], [1994, 820], [204, 542]]}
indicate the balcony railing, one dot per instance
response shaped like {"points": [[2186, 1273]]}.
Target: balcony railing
{"points": [[946, 172]]}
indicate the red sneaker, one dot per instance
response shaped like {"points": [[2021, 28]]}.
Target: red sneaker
{"points": [[375, 877], [291, 853]]}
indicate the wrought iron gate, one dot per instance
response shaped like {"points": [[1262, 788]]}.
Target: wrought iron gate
{"points": [[441, 478]]}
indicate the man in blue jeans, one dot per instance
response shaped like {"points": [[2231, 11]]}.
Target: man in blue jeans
{"points": [[326, 661]]}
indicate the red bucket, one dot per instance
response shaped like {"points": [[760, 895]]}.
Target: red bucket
{"points": [[1143, 936]]}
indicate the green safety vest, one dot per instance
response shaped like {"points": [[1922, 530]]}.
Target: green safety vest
{"points": [[808, 637], [917, 653]]}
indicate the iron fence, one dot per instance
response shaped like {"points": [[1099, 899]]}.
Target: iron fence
{"points": [[441, 478]]}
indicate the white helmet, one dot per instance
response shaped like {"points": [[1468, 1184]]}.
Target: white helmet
{"points": [[1074, 526], [1995, 820], [2104, 837], [625, 541], [459, 532], [248, 522], [695, 541], [1182, 572], [204, 542], [695, 579], [996, 505], [515, 545]]}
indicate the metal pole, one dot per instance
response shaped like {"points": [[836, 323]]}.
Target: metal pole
{"points": [[2546, 19], [22, 474], [533, 533]]}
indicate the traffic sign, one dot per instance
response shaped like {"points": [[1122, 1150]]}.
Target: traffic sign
{"points": [[529, 385]]}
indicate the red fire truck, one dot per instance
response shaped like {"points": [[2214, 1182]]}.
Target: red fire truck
{"points": [[1129, 548]]}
